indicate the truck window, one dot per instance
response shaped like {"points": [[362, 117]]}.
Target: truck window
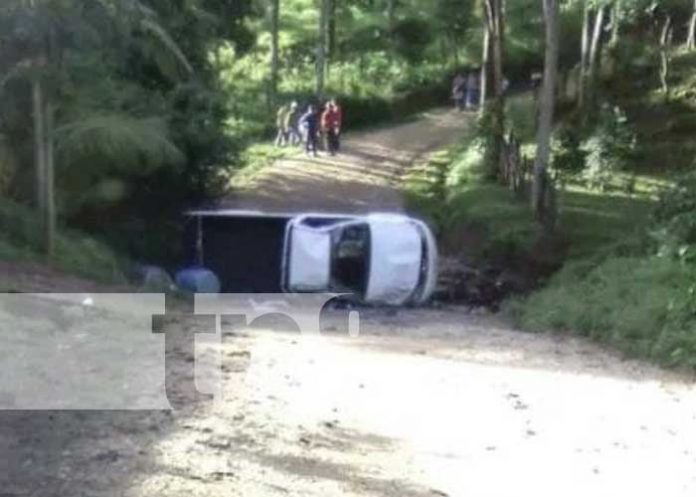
{"points": [[350, 259]]}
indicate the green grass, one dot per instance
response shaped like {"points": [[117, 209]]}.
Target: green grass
{"points": [[590, 221], [640, 305], [75, 253], [255, 158]]}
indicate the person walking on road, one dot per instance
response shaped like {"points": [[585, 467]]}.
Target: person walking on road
{"points": [[292, 124], [459, 90], [472, 89], [309, 122], [331, 122], [282, 115]]}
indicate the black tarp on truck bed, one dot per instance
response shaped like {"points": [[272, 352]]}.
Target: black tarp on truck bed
{"points": [[245, 252]]}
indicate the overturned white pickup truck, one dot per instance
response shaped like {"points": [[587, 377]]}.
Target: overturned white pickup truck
{"points": [[377, 258]]}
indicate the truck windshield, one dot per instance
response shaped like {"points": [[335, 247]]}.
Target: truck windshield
{"points": [[350, 256]]}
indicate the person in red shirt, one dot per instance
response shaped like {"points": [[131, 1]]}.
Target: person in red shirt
{"points": [[331, 122]]}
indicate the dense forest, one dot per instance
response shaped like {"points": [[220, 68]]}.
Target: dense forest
{"points": [[115, 115]]}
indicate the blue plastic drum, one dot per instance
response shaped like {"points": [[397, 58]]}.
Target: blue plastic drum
{"points": [[198, 280]]}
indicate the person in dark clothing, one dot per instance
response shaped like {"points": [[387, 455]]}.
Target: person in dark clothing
{"points": [[310, 123], [473, 81], [459, 90], [331, 122]]}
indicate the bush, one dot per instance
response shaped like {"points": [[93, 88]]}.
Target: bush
{"points": [[675, 220], [568, 155], [20, 239], [643, 306], [609, 148], [467, 165]]}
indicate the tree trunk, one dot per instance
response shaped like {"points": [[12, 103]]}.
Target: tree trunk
{"points": [[594, 59], [274, 17], [665, 42], [321, 46], [331, 35], [546, 108], [616, 14], [497, 47], [494, 30], [391, 15], [494, 18], [691, 36], [596, 37], [485, 57], [584, 56], [44, 165], [391, 23], [50, 215], [39, 145]]}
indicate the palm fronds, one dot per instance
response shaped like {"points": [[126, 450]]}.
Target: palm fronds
{"points": [[117, 142]]}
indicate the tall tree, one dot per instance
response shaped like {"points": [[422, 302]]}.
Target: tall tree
{"points": [[546, 107], [665, 45], [584, 55], [616, 19], [39, 122], [274, 21], [691, 35], [452, 20], [495, 18], [332, 35], [322, 44], [39, 57], [391, 15], [596, 43], [485, 68], [492, 77]]}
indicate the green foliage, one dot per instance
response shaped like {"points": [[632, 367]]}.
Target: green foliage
{"points": [[488, 131], [508, 234], [609, 148], [643, 306], [520, 115], [468, 165], [451, 190], [411, 38], [674, 228], [140, 121], [568, 156], [76, 253], [137, 145]]}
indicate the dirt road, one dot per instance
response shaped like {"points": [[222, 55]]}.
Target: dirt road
{"points": [[428, 402], [364, 177]]}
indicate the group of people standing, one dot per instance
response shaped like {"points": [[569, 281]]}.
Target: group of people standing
{"points": [[466, 90], [311, 126]]}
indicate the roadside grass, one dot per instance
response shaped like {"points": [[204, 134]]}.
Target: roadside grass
{"points": [[590, 221], [75, 253], [641, 305], [254, 159]]}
